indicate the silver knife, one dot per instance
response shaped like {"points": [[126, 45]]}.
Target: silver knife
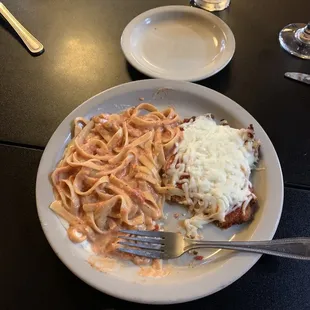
{"points": [[301, 77]]}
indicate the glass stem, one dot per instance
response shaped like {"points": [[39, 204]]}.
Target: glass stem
{"points": [[303, 34]]}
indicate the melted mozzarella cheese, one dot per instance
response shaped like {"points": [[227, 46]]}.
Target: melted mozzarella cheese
{"points": [[213, 165]]}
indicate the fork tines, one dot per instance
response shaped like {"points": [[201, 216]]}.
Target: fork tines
{"points": [[153, 233], [142, 243]]}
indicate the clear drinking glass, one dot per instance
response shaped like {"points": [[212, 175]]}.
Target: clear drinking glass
{"points": [[295, 39], [211, 5]]}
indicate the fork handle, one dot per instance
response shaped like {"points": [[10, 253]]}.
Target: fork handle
{"points": [[298, 248], [30, 41]]}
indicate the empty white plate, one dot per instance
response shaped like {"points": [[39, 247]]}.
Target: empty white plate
{"points": [[178, 43]]}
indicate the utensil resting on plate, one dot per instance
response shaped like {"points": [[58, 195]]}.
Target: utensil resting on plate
{"points": [[167, 245]]}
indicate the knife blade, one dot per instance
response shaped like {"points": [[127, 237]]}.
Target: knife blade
{"points": [[301, 77]]}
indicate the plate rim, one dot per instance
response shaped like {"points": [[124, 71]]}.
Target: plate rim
{"points": [[125, 46], [112, 288]]}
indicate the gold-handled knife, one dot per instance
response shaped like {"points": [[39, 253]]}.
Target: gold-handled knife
{"points": [[301, 77]]}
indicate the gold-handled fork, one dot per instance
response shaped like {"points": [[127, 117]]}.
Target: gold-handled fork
{"points": [[33, 44], [167, 245]]}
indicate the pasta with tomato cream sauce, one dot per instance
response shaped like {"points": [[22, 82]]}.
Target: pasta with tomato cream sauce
{"points": [[109, 177]]}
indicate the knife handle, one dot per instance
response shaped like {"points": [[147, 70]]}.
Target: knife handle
{"points": [[300, 77]]}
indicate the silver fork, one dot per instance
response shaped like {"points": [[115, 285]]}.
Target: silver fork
{"points": [[166, 245]]}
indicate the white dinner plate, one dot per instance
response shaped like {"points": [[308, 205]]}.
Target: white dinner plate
{"points": [[178, 43], [189, 279]]}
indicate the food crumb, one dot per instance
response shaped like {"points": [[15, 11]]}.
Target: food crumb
{"points": [[199, 257], [195, 252], [141, 99], [259, 169], [176, 215]]}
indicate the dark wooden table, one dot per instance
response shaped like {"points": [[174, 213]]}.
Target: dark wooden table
{"points": [[83, 57]]}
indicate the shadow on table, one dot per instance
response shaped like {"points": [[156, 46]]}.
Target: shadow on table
{"points": [[219, 82], [134, 74], [5, 25], [268, 264]]}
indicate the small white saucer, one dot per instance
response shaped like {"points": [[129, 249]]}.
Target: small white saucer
{"points": [[178, 43]]}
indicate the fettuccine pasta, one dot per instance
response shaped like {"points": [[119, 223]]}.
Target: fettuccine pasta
{"points": [[109, 176]]}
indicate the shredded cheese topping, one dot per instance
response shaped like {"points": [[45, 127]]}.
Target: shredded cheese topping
{"points": [[212, 165]]}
